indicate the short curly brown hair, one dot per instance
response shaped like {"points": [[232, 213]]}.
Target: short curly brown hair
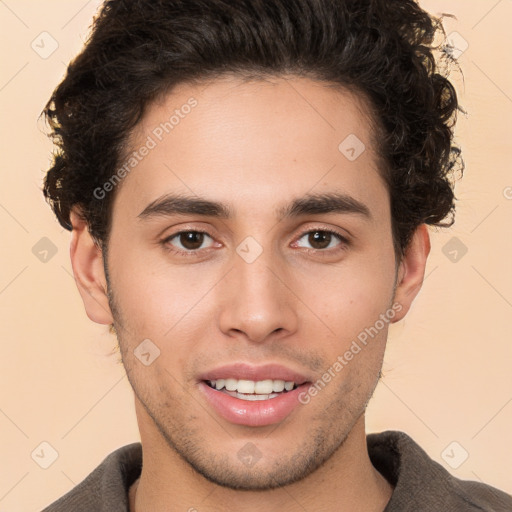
{"points": [[139, 49]]}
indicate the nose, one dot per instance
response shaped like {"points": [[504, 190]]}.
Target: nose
{"points": [[257, 303]]}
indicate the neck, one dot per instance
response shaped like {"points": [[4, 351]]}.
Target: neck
{"points": [[347, 481]]}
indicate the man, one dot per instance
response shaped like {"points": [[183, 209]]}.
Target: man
{"points": [[248, 186]]}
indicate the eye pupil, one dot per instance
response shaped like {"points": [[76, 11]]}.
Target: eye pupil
{"points": [[192, 240], [319, 239]]}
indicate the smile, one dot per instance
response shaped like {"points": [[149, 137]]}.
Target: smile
{"points": [[252, 390]]}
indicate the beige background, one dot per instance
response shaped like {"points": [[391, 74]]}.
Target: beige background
{"points": [[448, 365]]}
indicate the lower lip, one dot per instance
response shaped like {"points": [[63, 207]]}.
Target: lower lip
{"points": [[256, 413]]}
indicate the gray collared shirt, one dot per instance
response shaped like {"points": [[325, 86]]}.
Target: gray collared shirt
{"points": [[421, 484]]}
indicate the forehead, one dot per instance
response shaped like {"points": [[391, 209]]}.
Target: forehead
{"points": [[250, 142]]}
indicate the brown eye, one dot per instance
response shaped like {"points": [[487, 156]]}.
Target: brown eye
{"points": [[189, 240], [320, 239]]}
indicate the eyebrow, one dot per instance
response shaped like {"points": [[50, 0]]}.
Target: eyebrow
{"points": [[310, 204], [314, 204]]}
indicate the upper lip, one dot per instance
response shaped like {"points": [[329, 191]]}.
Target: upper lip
{"points": [[244, 371]]}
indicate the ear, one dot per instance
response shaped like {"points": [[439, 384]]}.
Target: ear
{"points": [[87, 263], [411, 270]]}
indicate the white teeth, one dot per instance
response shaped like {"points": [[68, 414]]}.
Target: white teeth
{"points": [[231, 384], [288, 386], [277, 386], [245, 386], [264, 387], [249, 387], [253, 398]]}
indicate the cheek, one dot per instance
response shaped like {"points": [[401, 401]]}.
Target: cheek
{"points": [[154, 296], [350, 296]]}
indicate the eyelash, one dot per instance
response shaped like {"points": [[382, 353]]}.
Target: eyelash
{"points": [[344, 242]]}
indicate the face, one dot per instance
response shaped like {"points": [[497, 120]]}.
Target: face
{"points": [[253, 254]]}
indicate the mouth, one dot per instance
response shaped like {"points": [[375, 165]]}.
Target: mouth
{"points": [[255, 396], [251, 390]]}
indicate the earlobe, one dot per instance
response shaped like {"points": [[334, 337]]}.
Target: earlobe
{"points": [[87, 263], [412, 270]]}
